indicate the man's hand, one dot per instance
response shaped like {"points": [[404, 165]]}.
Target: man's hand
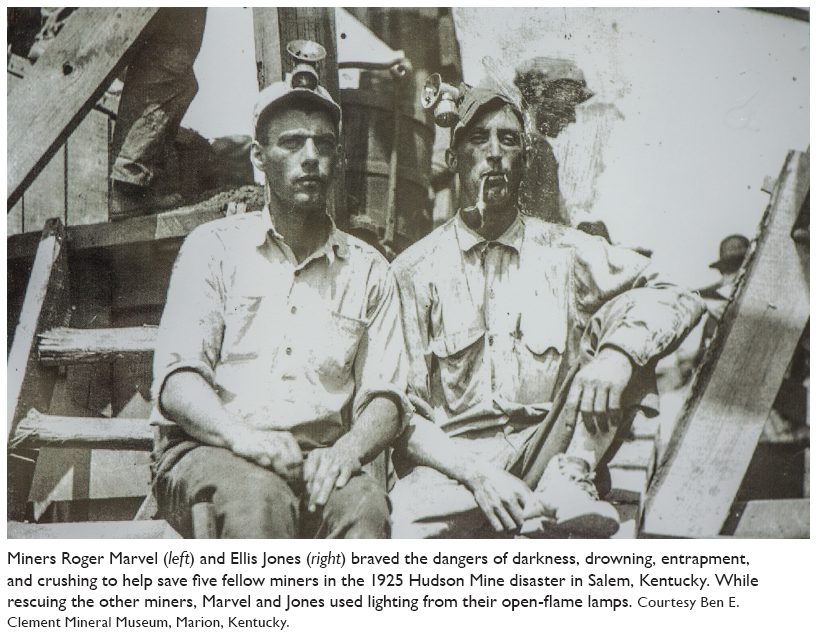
{"points": [[501, 496], [276, 450], [328, 468], [597, 388]]}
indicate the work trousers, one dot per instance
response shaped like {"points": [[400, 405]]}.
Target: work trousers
{"points": [[253, 502], [159, 87], [428, 504]]}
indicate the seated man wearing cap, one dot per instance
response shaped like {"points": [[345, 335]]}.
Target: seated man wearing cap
{"points": [[278, 370], [500, 311]]}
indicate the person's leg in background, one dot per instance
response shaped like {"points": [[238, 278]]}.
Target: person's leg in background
{"points": [[158, 89]]}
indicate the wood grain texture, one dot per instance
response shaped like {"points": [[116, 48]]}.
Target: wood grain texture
{"points": [[137, 529], [86, 175], [775, 519], [64, 346], [45, 198], [719, 426], [45, 306], [267, 46], [40, 430], [64, 85]]}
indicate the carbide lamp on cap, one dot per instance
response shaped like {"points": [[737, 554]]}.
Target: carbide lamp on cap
{"points": [[307, 55], [442, 98]]}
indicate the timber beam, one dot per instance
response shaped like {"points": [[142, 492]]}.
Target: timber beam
{"points": [[64, 84], [718, 428]]}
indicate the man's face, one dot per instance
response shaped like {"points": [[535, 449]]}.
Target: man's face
{"points": [[492, 148], [298, 156]]}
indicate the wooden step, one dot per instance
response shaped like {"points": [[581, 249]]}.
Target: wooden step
{"points": [[39, 430], [135, 529], [65, 346]]}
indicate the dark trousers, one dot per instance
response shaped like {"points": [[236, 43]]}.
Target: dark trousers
{"points": [[159, 87], [253, 502]]}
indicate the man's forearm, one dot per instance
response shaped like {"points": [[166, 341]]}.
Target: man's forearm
{"points": [[192, 403], [375, 429], [429, 446]]}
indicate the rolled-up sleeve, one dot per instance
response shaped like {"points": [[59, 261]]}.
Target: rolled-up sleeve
{"points": [[192, 324], [380, 363], [633, 306]]}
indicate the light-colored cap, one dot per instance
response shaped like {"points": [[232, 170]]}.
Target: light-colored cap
{"points": [[474, 101], [279, 92]]}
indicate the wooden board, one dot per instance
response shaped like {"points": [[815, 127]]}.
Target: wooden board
{"points": [[45, 306], [29, 385], [719, 426], [134, 529], [64, 85], [775, 519], [64, 345], [267, 46], [40, 430], [87, 172], [45, 198]]}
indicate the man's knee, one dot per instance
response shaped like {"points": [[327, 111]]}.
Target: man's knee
{"points": [[257, 504], [249, 501]]}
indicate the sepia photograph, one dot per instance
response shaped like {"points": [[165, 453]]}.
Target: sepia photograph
{"points": [[408, 272]]}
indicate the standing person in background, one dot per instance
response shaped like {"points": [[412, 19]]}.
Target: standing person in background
{"points": [[159, 87]]}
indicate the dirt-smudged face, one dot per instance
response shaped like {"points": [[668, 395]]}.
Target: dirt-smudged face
{"points": [[298, 154], [492, 148]]}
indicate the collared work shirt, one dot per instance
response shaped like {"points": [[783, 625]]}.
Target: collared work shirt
{"points": [[291, 347], [492, 327]]}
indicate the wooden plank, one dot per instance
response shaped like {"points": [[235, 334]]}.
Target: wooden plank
{"points": [[63, 86], [45, 198], [14, 223], [267, 46], [776, 519], [40, 430], [45, 306], [29, 384], [17, 67], [63, 345], [719, 426], [173, 224], [131, 530], [87, 172], [14, 220], [635, 454]]}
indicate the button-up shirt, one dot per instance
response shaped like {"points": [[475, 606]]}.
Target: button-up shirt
{"points": [[493, 327], [286, 346]]}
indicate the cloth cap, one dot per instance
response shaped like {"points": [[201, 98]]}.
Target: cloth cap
{"points": [[732, 252], [279, 93], [474, 101]]}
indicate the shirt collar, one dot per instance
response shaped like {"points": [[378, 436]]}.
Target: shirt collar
{"points": [[468, 239], [337, 243]]}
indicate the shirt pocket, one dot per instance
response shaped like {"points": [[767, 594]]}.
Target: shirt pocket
{"points": [[459, 358], [539, 350], [241, 315], [336, 347]]}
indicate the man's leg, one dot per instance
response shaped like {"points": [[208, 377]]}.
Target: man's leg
{"points": [[249, 501], [360, 510], [428, 504], [566, 491], [159, 87]]}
